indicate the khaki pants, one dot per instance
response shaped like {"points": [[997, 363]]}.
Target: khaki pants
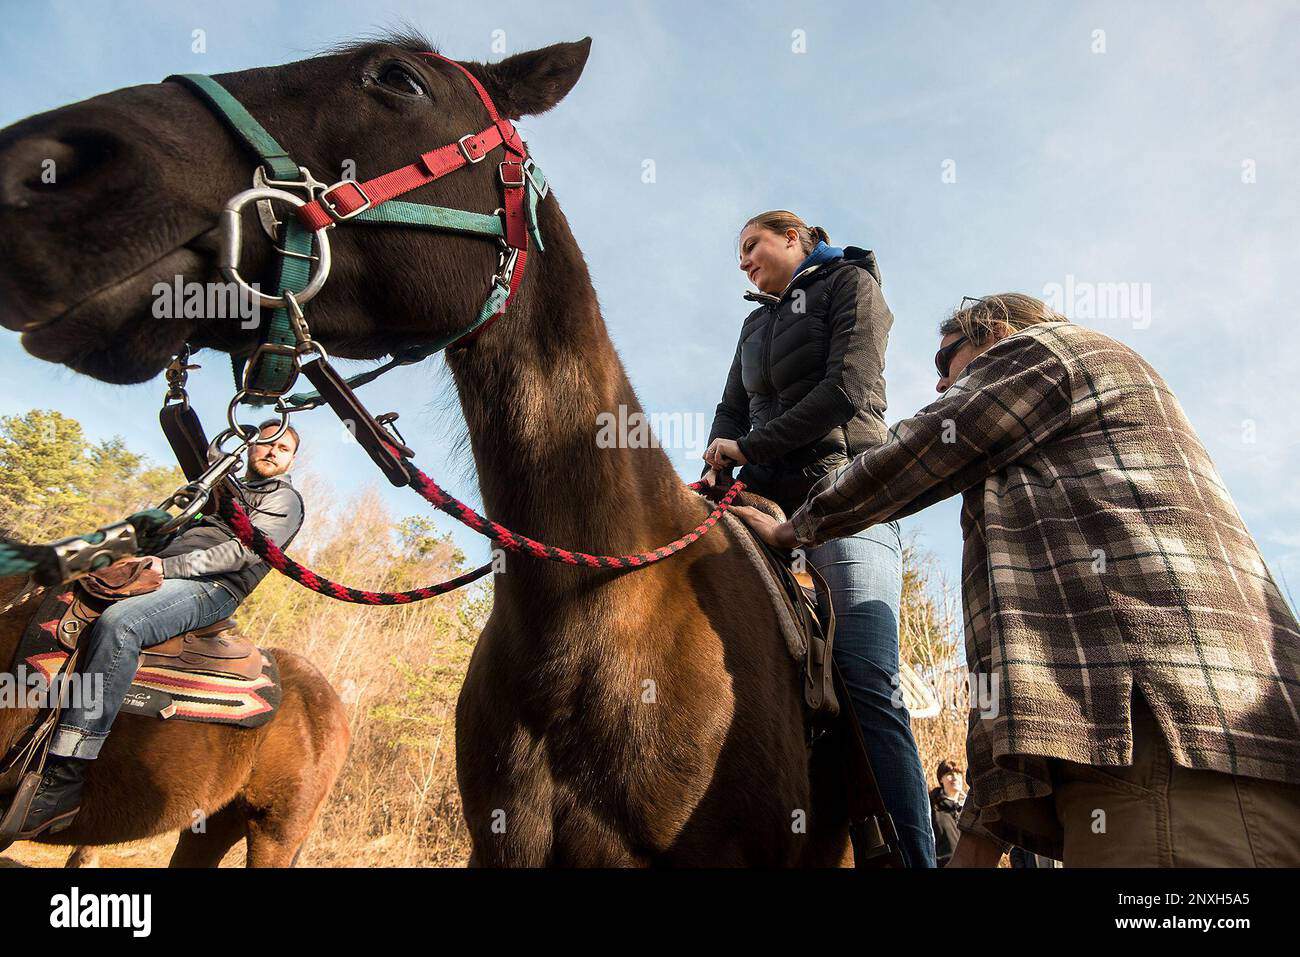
{"points": [[1158, 814]]}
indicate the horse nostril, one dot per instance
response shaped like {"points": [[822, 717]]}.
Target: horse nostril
{"points": [[42, 166]]}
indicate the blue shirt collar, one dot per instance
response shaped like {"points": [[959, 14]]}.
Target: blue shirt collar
{"points": [[821, 253]]}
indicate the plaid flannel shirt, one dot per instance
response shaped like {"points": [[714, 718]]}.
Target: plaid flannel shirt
{"points": [[1102, 553]]}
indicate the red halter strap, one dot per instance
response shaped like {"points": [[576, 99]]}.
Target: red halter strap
{"points": [[346, 199]]}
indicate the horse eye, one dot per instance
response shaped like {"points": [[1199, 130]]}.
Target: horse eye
{"points": [[398, 79]]}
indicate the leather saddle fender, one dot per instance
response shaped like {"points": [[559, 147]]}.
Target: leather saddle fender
{"points": [[818, 632], [216, 649]]}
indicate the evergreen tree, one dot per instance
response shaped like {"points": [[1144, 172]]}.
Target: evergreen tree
{"points": [[54, 483]]}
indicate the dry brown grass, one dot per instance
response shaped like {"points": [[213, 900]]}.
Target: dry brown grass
{"points": [[930, 641]]}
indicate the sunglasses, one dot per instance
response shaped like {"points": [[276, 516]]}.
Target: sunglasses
{"points": [[943, 358]]}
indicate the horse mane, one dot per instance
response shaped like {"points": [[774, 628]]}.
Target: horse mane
{"points": [[404, 36]]}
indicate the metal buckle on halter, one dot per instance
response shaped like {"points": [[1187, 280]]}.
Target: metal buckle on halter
{"points": [[464, 149], [506, 261], [511, 184], [308, 182], [333, 210], [265, 212], [77, 557], [231, 228], [288, 350]]}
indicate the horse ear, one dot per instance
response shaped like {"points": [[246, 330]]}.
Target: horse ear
{"points": [[530, 83]]}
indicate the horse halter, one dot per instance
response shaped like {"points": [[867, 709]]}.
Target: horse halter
{"points": [[273, 365]]}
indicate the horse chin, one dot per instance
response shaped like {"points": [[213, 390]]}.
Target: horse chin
{"points": [[118, 364], [113, 335]]}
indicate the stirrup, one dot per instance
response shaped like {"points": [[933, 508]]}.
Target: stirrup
{"points": [[15, 816]]}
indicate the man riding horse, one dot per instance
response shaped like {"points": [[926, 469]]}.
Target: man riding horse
{"points": [[206, 573]]}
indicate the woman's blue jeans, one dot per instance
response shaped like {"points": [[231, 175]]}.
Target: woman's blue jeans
{"points": [[113, 647], [865, 575]]}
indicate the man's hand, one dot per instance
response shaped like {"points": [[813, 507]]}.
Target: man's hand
{"points": [[724, 454], [974, 850], [777, 534], [154, 562]]}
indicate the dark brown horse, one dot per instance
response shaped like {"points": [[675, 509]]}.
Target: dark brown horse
{"points": [[608, 718]]}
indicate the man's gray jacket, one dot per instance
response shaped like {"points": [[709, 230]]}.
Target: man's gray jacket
{"points": [[209, 550]]}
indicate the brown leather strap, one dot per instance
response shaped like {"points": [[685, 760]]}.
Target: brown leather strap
{"points": [[819, 685], [875, 840], [185, 434], [383, 447]]}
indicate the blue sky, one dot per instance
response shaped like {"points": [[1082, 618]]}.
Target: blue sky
{"points": [[975, 147]]}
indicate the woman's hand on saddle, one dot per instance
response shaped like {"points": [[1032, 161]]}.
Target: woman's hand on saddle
{"points": [[777, 534], [155, 563], [724, 454]]}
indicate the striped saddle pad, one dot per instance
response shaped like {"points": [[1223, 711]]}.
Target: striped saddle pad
{"points": [[210, 675]]}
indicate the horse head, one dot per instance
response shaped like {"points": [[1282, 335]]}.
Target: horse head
{"points": [[103, 200]]}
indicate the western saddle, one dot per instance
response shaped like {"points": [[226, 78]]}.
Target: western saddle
{"points": [[828, 708], [214, 649]]}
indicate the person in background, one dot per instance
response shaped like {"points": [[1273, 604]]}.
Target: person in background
{"points": [[206, 573], [945, 808]]}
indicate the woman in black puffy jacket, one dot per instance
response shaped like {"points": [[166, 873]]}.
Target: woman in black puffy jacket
{"points": [[805, 394]]}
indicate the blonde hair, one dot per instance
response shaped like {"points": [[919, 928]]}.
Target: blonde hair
{"points": [[998, 316], [779, 220]]}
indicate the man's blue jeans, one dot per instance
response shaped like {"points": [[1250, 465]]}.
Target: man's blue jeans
{"points": [[865, 575], [113, 650]]}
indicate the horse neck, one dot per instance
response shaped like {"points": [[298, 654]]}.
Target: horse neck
{"points": [[532, 388]]}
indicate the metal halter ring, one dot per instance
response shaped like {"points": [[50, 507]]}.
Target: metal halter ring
{"points": [[247, 433], [217, 447], [231, 230]]}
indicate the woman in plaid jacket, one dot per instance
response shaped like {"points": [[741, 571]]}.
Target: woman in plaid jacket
{"points": [[1143, 667]]}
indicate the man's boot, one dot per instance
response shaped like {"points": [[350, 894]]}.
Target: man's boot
{"points": [[58, 799]]}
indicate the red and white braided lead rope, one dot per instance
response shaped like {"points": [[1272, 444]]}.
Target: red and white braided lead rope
{"points": [[502, 536]]}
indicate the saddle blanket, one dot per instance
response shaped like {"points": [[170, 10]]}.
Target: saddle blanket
{"points": [[157, 691]]}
